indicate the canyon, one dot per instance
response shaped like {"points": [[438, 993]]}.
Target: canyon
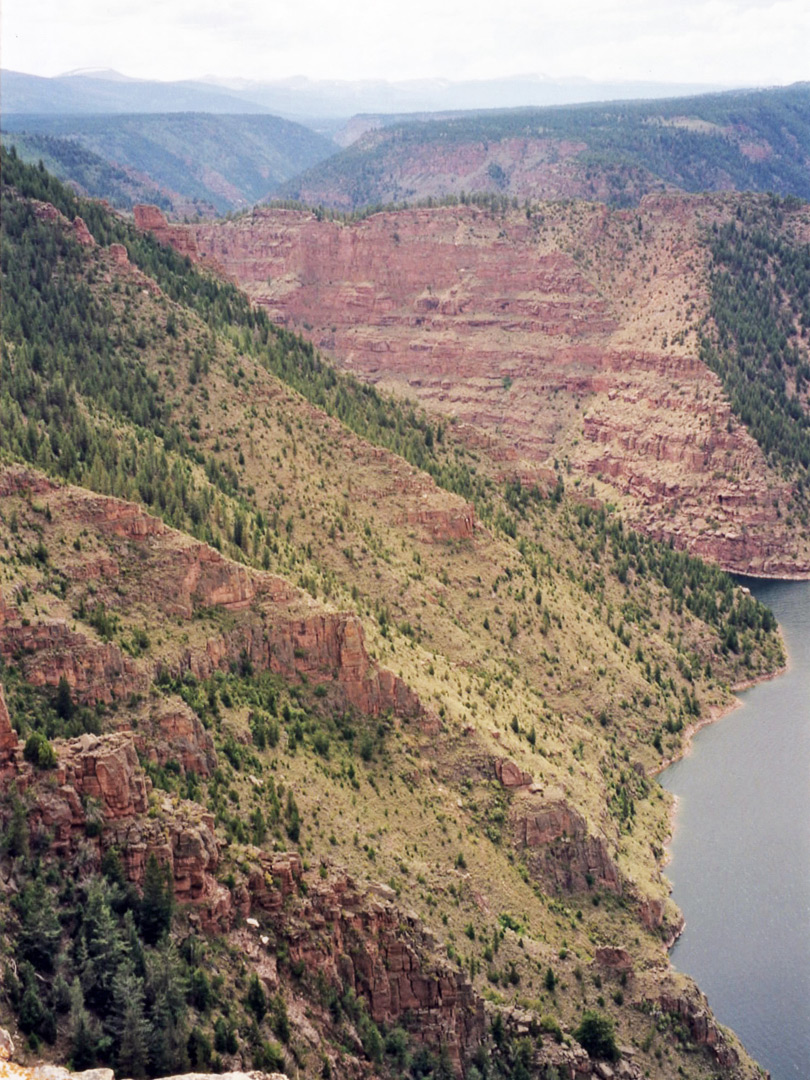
{"points": [[387, 737], [566, 338]]}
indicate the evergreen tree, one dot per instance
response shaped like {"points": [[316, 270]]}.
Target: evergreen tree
{"points": [[157, 903], [16, 841], [129, 1022], [64, 699], [597, 1035], [101, 947], [83, 1037], [256, 998], [40, 931]]}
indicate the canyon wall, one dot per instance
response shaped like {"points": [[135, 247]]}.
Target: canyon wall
{"points": [[565, 336]]}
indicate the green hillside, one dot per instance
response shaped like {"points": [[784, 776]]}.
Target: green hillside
{"points": [[548, 642], [198, 161], [743, 140]]}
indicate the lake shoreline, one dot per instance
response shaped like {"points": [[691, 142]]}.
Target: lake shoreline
{"points": [[715, 713], [718, 712], [737, 858]]}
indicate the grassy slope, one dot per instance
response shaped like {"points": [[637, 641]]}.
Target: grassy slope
{"points": [[326, 509]]}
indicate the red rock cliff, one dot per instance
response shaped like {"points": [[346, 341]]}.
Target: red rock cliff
{"points": [[559, 333]]}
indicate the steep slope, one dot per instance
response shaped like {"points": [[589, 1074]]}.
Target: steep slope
{"points": [[568, 335], [615, 152], [91, 175], [199, 162], [488, 753]]}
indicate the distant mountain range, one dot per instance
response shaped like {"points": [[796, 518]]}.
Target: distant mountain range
{"points": [[211, 147], [111, 93], [297, 98]]}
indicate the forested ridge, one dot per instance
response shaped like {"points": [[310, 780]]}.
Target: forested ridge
{"points": [[58, 323], [696, 144], [194, 162], [87, 171], [760, 307]]}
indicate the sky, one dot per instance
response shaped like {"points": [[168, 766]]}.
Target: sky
{"points": [[725, 42]]}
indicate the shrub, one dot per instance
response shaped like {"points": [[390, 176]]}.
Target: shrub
{"points": [[256, 998], [596, 1034], [39, 751]]}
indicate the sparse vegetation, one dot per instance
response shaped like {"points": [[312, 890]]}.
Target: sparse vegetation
{"points": [[556, 639]]}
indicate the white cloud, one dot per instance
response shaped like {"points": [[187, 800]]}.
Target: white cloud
{"points": [[723, 41]]}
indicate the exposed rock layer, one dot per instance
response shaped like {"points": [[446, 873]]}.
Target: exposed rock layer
{"points": [[560, 338]]}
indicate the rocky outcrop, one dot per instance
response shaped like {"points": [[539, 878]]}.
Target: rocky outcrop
{"points": [[105, 768], [151, 219], [614, 960], [172, 732], [511, 775], [359, 938], [273, 626], [82, 233], [328, 648], [96, 779], [182, 838], [272, 879], [13, 1071], [8, 736], [20, 480], [692, 1010], [98, 797], [559, 850], [444, 524], [47, 651], [115, 517], [6, 1045], [335, 644], [119, 256]]}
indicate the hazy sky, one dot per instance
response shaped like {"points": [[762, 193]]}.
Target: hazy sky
{"points": [[752, 42]]}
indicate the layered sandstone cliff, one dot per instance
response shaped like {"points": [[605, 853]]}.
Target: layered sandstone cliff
{"points": [[564, 336]]}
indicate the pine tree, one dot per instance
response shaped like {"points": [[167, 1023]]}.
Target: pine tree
{"points": [[155, 910], [129, 1022], [83, 1037], [64, 699], [38, 941], [256, 998], [16, 840], [100, 949]]}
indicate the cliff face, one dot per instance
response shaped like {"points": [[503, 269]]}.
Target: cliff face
{"points": [[559, 850], [96, 799], [568, 336], [269, 622], [359, 938]]}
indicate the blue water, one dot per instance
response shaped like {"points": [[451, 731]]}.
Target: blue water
{"points": [[740, 865]]}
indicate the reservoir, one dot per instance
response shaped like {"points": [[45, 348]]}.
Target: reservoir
{"points": [[740, 854]]}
